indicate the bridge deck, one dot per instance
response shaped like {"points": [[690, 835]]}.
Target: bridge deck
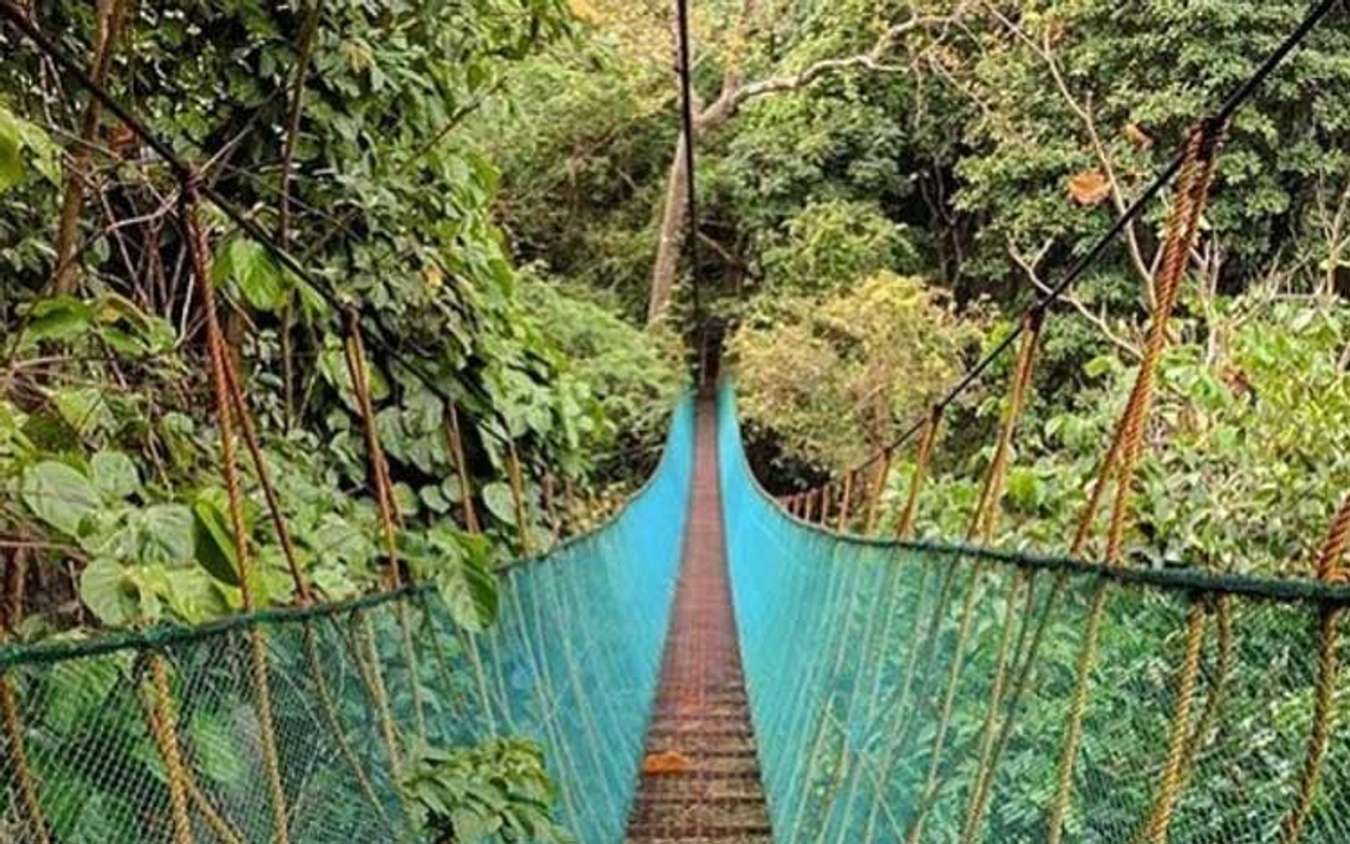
{"points": [[700, 780]]}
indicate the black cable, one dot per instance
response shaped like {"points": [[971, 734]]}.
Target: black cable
{"points": [[687, 127], [1226, 110], [184, 172]]}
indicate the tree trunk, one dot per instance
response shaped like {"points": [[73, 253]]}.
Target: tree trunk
{"points": [[110, 14], [672, 236]]}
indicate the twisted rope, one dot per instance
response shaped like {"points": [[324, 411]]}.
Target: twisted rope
{"points": [[874, 494], [842, 524], [904, 529], [200, 253], [1328, 640], [455, 440], [1170, 784], [164, 728], [983, 521], [1197, 172], [984, 526], [15, 747]]}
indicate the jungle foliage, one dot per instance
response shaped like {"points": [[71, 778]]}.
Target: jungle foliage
{"points": [[885, 185]]}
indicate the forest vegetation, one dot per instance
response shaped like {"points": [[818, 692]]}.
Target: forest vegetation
{"points": [[496, 188]]}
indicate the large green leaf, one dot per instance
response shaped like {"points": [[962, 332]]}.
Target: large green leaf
{"points": [[497, 496], [11, 163], [214, 545], [468, 586], [58, 318], [110, 593], [59, 495], [83, 408], [254, 272], [167, 534], [114, 474]]}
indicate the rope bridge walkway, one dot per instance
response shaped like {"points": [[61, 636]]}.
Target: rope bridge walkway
{"points": [[820, 685], [701, 779]]}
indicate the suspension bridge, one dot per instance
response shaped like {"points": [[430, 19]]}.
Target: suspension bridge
{"points": [[716, 664]]}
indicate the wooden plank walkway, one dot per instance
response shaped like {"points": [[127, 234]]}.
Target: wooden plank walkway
{"points": [[700, 780]]}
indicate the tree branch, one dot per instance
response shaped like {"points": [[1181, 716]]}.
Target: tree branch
{"points": [[1028, 266]]}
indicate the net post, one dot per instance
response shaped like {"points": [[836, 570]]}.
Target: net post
{"points": [[875, 490], [517, 482]]}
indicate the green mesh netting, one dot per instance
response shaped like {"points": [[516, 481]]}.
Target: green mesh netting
{"points": [[572, 663], [848, 676]]}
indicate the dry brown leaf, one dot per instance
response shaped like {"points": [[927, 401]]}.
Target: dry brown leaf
{"points": [[587, 12], [1137, 136], [669, 762], [1089, 187], [433, 277]]}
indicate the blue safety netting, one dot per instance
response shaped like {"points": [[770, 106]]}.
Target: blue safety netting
{"points": [[571, 662], [873, 711]]}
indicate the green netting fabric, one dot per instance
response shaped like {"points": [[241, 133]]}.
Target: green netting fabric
{"points": [[849, 650], [572, 663]]}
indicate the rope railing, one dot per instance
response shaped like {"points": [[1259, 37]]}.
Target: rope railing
{"points": [[850, 748]]}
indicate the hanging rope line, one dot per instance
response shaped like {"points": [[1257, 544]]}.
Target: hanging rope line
{"points": [[685, 70]]}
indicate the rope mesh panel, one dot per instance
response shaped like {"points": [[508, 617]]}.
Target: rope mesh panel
{"points": [[571, 662], [845, 753]]}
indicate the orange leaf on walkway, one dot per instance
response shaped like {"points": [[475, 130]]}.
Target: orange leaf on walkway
{"points": [[668, 762]]}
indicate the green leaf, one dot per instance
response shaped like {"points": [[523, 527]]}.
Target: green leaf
{"points": [[59, 495], [213, 543], [254, 272], [469, 590], [58, 318], [168, 534], [497, 496], [114, 474], [215, 742], [83, 408], [435, 499], [11, 163], [109, 592]]}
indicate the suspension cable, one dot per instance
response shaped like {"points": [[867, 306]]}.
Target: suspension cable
{"points": [[691, 199]]}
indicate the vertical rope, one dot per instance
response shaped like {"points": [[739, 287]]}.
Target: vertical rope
{"points": [[196, 238], [455, 440], [1170, 783], [164, 728], [905, 527], [23, 772], [517, 482], [11, 614], [984, 523], [1324, 697], [1197, 172], [245, 418], [379, 478], [874, 492], [390, 518], [980, 531], [842, 524]]}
